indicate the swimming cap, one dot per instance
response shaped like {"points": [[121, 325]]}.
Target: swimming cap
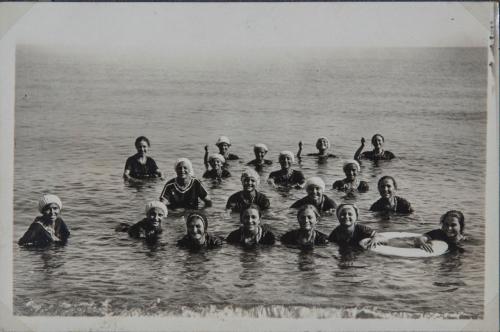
{"points": [[158, 205], [315, 181], [351, 162], [260, 146], [200, 215], [223, 139], [216, 156], [309, 207], [48, 199], [341, 206], [187, 163], [287, 153], [323, 138], [250, 173]]}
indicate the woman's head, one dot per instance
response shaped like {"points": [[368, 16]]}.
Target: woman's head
{"points": [[315, 187], [322, 144], [387, 186], [142, 144], [216, 160], [260, 150], [183, 168], [196, 225], [286, 159], [308, 216], [223, 143], [453, 223], [347, 214], [155, 212], [378, 141], [351, 169], [50, 206], [250, 179], [250, 218]]}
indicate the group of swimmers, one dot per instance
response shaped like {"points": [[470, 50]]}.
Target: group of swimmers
{"points": [[186, 192]]}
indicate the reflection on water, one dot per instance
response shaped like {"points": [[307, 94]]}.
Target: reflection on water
{"points": [[79, 155]]}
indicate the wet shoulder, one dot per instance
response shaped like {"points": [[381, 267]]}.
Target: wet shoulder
{"points": [[321, 238], [234, 236]]}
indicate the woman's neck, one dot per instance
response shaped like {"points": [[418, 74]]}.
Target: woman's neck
{"points": [[183, 181]]}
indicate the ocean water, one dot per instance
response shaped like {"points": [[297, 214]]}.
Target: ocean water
{"points": [[76, 119]]}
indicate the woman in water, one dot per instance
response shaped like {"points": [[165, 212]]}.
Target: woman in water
{"points": [[378, 153], [251, 231], [184, 191], [217, 171], [140, 166], [197, 236], [149, 228], [388, 201], [322, 144], [241, 200], [351, 183], [286, 176], [260, 151], [223, 144], [315, 187], [451, 231], [47, 228], [306, 235]]}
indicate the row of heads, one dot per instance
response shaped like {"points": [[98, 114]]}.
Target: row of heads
{"points": [[48, 199]]}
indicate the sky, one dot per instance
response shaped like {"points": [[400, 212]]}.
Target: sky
{"points": [[216, 27]]}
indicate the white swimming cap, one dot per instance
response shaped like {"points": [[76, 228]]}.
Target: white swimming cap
{"points": [[250, 173], [260, 146], [287, 153], [158, 205], [223, 139], [217, 156], [315, 181], [188, 164], [351, 162], [48, 199]]}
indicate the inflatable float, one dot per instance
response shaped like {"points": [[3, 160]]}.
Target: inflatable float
{"points": [[439, 247]]}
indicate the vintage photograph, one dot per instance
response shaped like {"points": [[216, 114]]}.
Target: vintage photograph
{"points": [[273, 161]]}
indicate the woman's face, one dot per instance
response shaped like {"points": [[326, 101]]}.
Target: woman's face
{"points": [[182, 170], [223, 148], [195, 229], [451, 226], [259, 153], [155, 216], [378, 142], [51, 211], [387, 188], [322, 145], [307, 220], [347, 216], [216, 163], [142, 148], [351, 171], [285, 162], [249, 184], [315, 192], [250, 220]]}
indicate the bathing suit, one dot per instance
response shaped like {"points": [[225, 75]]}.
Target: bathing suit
{"points": [[140, 171], [292, 238], [340, 236], [238, 202], [264, 163], [328, 155], [231, 156], [39, 235], [342, 184], [282, 178], [370, 155], [144, 229], [212, 174], [266, 236], [401, 205], [183, 197], [326, 204], [210, 242]]}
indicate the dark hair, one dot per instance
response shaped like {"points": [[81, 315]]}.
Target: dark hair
{"points": [[309, 206], [140, 139], [454, 213], [374, 136], [252, 206], [385, 177], [200, 215]]}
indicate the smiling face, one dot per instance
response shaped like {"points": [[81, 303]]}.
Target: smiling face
{"points": [[285, 161], [142, 147], [307, 220], [249, 184], [351, 171], [216, 163], [451, 226], [387, 189], [223, 148], [182, 170], [347, 216], [315, 192], [195, 229], [250, 219], [377, 142], [260, 153], [51, 212], [155, 216]]}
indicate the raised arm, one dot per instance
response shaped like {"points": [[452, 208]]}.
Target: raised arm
{"points": [[205, 157], [300, 150], [358, 151]]}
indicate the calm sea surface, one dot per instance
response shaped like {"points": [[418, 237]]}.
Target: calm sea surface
{"points": [[77, 117]]}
